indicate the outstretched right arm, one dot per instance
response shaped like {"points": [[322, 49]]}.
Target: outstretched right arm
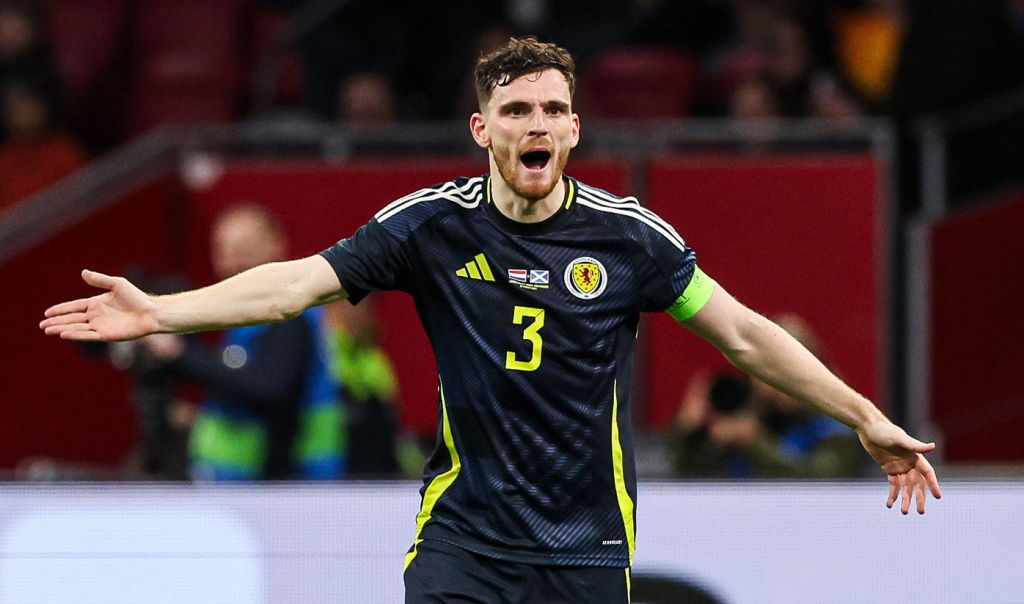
{"points": [[268, 293]]}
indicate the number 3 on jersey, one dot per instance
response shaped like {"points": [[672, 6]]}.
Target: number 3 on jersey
{"points": [[531, 335]]}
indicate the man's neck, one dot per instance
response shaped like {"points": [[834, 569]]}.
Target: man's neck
{"points": [[521, 209]]}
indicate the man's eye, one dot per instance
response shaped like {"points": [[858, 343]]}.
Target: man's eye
{"points": [[554, 110], [515, 111]]}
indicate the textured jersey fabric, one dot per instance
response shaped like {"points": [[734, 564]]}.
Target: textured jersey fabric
{"points": [[533, 327]]}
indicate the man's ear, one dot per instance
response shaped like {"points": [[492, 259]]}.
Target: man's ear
{"points": [[476, 128], [575, 130]]}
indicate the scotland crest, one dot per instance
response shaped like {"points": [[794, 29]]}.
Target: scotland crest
{"points": [[586, 277]]}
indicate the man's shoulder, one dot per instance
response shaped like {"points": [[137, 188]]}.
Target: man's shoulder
{"points": [[626, 216], [405, 214]]}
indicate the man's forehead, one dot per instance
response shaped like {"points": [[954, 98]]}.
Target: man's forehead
{"points": [[543, 86]]}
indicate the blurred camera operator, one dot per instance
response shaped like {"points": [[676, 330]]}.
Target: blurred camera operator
{"points": [[729, 426]]}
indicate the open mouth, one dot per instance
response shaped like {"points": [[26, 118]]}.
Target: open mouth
{"points": [[535, 160]]}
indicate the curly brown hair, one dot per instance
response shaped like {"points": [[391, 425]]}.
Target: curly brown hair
{"points": [[521, 56]]}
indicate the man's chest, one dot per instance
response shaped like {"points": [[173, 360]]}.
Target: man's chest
{"points": [[585, 278]]}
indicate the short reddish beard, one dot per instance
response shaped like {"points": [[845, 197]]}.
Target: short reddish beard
{"points": [[507, 173]]}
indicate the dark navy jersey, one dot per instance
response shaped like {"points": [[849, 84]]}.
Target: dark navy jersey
{"points": [[533, 327]]}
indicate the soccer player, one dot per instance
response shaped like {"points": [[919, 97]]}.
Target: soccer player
{"points": [[530, 285]]}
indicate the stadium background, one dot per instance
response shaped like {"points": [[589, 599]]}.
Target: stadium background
{"points": [[891, 224]]}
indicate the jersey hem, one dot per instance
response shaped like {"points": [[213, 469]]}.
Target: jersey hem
{"points": [[532, 558]]}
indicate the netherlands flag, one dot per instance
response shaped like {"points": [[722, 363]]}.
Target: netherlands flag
{"points": [[517, 274]]}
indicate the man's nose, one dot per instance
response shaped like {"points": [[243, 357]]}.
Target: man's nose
{"points": [[538, 123]]}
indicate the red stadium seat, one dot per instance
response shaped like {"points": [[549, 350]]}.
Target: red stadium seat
{"points": [[267, 26], [187, 61], [639, 83], [90, 44], [156, 107], [87, 36]]}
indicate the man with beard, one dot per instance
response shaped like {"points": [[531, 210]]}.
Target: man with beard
{"points": [[530, 285]]}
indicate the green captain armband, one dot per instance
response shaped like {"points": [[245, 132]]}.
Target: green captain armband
{"points": [[694, 297]]}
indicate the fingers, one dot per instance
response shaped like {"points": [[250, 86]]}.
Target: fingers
{"points": [[79, 332], [930, 478], [894, 491], [909, 442], [67, 307], [98, 279], [54, 322], [912, 484]]}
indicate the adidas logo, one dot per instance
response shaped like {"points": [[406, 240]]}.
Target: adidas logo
{"points": [[477, 268]]}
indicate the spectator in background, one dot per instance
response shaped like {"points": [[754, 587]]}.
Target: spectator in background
{"points": [[754, 105], [868, 41], [366, 99], [716, 420], [754, 98], [831, 100], [729, 426], [369, 390], [791, 65], [740, 55], [37, 153], [272, 410], [25, 54], [359, 36]]}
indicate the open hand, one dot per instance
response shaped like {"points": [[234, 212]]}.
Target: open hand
{"points": [[123, 312], [901, 458]]}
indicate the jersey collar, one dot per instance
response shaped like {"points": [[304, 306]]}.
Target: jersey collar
{"points": [[532, 228]]}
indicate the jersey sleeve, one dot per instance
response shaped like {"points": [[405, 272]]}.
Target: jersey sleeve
{"points": [[673, 282], [372, 259]]}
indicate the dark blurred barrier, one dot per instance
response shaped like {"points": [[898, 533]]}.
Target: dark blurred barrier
{"points": [[967, 154]]}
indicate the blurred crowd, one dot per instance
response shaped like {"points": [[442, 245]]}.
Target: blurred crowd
{"points": [[87, 76], [35, 150]]}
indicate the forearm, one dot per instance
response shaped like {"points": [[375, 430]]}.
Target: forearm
{"points": [[765, 351], [269, 293]]}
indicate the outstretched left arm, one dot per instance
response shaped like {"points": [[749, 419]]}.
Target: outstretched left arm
{"points": [[765, 351]]}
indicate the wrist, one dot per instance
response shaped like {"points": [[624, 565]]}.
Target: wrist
{"points": [[158, 314], [871, 420]]}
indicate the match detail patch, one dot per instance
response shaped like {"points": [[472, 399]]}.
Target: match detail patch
{"points": [[529, 278]]}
